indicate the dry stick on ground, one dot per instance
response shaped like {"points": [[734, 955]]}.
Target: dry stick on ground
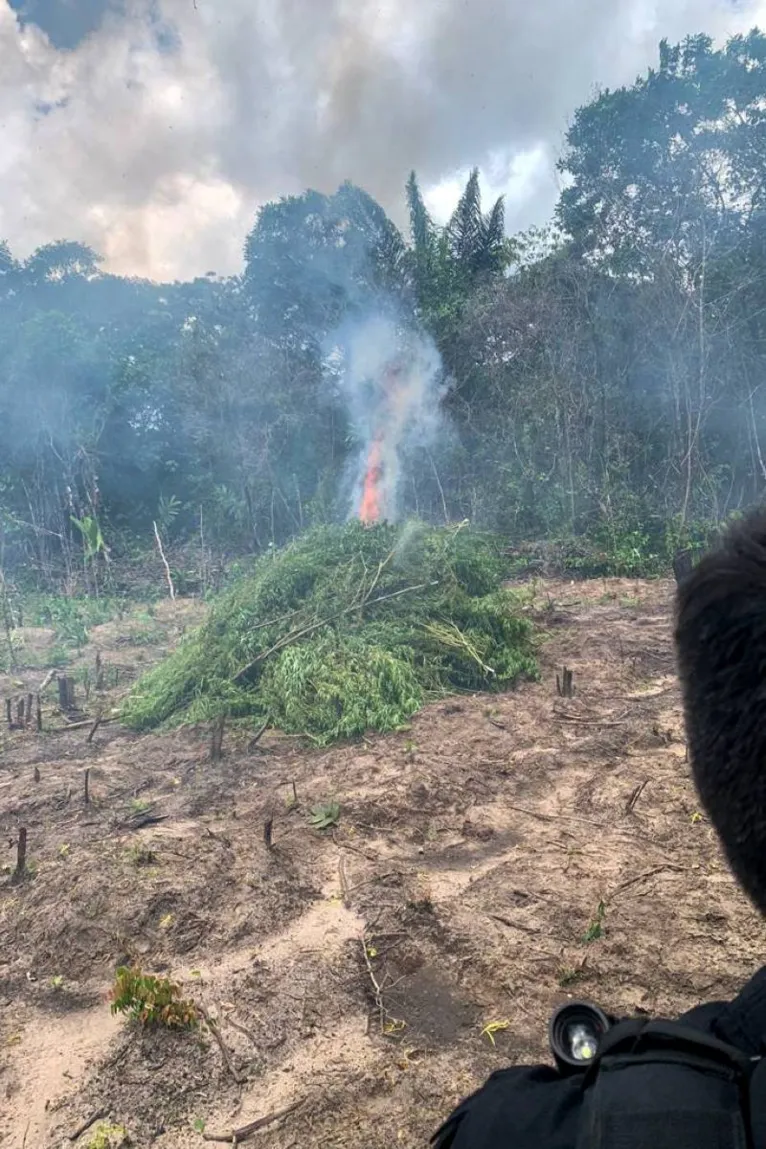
{"points": [[86, 722], [47, 680], [237, 1136], [638, 790], [87, 792], [377, 988], [259, 734], [97, 1116], [94, 728], [268, 826], [344, 890], [589, 721], [168, 575], [295, 635], [642, 877], [240, 1080]]}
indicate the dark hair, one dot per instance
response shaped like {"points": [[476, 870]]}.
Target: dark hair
{"points": [[721, 644]]}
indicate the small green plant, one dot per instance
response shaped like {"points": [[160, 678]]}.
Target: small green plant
{"points": [[167, 512], [325, 815], [139, 855], [107, 1136], [198, 1125], [596, 928], [568, 975], [493, 1027], [151, 1001], [57, 981], [139, 806]]}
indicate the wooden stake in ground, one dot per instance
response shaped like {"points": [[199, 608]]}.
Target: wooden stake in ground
{"points": [[21, 855], [94, 728], [87, 791], [564, 683], [168, 576], [28, 714], [682, 565], [9, 713], [66, 693], [216, 738], [268, 826], [39, 715]]}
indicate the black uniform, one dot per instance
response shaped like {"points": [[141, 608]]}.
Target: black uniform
{"points": [[675, 1098]]}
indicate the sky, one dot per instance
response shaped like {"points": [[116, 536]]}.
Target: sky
{"points": [[153, 129]]}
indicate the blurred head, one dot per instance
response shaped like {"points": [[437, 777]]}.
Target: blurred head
{"points": [[721, 644]]}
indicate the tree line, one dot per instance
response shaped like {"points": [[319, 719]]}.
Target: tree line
{"points": [[606, 375]]}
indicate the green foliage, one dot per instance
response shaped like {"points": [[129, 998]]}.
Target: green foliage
{"points": [[151, 1001], [595, 928], [324, 816], [70, 618], [106, 1136], [345, 630], [606, 377], [92, 539]]}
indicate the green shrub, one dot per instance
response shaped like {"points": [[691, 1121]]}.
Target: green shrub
{"points": [[151, 1001]]}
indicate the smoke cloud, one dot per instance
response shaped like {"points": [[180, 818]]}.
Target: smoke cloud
{"points": [[392, 382], [152, 129]]}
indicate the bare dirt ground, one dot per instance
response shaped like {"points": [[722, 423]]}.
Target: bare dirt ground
{"points": [[355, 972]]}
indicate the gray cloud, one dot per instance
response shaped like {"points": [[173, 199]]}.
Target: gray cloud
{"points": [[152, 129]]}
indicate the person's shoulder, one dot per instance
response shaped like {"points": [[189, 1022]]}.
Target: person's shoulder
{"points": [[523, 1106]]}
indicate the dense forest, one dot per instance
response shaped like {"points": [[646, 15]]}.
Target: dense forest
{"points": [[602, 382]]}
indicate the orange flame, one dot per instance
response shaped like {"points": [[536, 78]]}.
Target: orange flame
{"points": [[370, 507]]}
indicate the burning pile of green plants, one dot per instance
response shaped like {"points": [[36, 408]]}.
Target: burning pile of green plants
{"points": [[347, 629]]}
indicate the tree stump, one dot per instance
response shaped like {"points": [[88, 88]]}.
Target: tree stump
{"points": [[564, 683], [682, 565], [66, 693], [216, 738]]}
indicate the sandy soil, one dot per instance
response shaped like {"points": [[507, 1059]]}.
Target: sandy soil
{"points": [[354, 972]]}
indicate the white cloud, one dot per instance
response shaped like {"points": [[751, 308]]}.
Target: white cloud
{"points": [[157, 149]]}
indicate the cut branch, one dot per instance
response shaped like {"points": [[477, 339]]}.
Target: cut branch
{"points": [[239, 1135], [168, 576], [240, 1080]]}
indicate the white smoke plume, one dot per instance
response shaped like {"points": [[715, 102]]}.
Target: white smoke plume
{"points": [[392, 381], [152, 129]]}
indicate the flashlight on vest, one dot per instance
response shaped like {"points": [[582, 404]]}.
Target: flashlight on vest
{"points": [[574, 1034]]}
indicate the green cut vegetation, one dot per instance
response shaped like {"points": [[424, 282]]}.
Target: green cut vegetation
{"points": [[347, 629]]}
